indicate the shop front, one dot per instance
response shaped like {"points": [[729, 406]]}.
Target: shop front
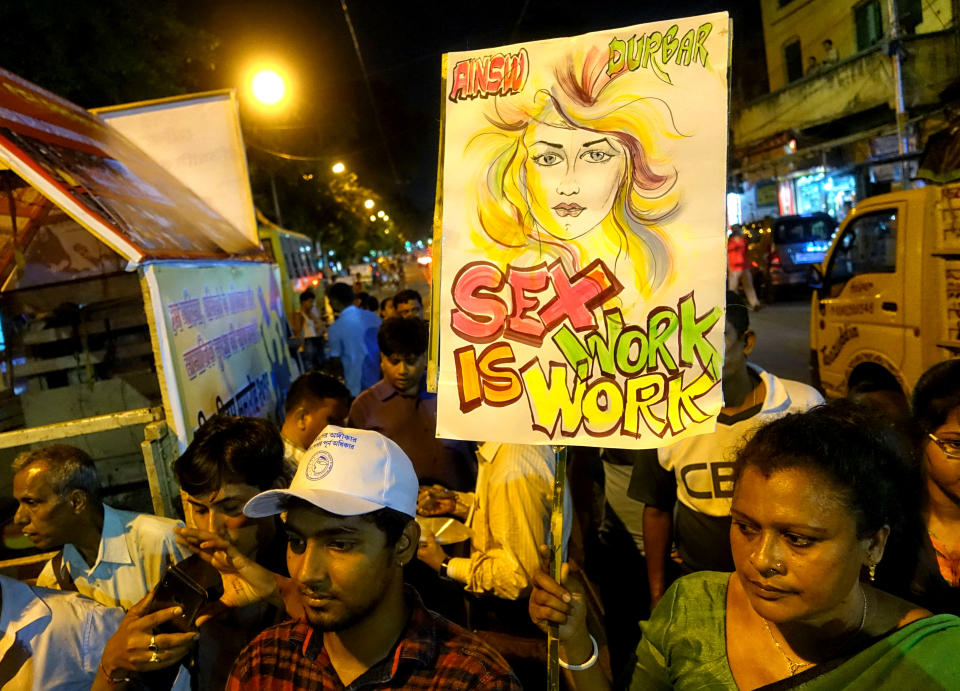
{"points": [[823, 191]]}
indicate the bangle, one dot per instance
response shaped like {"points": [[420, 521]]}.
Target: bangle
{"points": [[122, 680], [443, 569], [584, 665]]}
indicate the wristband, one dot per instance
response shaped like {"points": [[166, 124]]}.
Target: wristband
{"points": [[590, 662]]}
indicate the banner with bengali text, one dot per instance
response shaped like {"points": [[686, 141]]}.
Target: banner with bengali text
{"points": [[222, 337]]}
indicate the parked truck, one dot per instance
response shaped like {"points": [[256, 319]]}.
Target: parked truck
{"points": [[888, 303]]}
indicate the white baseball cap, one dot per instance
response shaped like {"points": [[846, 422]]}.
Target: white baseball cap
{"points": [[347, 472]]}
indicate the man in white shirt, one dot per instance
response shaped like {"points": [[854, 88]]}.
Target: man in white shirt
{"points": [[114, 557], [308, 329], [830, 55], [50, 641], [314, 401], [509, 515]]}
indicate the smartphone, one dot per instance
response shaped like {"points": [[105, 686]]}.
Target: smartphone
{"points": [[178, 589]]}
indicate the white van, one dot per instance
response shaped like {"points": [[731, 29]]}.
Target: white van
{"points": [[888, 306]]}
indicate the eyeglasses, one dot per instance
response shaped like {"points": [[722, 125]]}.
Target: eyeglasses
{"points": [[950, 447]]}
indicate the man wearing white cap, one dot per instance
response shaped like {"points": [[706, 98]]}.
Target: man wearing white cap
{"points": [[349, 519]]}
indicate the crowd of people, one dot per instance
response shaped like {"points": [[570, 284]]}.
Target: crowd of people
{"points": [[802, 544]]}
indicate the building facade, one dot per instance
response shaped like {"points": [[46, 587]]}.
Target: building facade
{"points": [[826, 133]]}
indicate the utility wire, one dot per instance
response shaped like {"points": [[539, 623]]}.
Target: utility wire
{"points": [[373, 101], [296, 157], [289, 157], [520, 18]]}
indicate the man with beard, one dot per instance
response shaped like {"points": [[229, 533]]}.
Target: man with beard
{"points": [[348, 515]]}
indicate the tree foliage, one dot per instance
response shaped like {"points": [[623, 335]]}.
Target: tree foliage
{"points": [[116, 51], [327, 207], [105, 52]]}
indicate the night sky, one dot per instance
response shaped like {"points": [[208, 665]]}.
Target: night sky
{"points": [[402, 44], [391, 139]]}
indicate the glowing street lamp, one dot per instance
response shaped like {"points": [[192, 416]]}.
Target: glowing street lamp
{"points": [[386, 218], [380, 213], [373, 218], [368, 204], [268, 87], [338, 168]]}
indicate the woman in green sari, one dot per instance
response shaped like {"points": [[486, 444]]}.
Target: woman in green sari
{"points": [[815, 497]]}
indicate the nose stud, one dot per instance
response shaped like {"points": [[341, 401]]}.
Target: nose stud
{"points": [[775, 569]]}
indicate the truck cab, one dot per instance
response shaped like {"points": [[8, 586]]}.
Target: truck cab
{"points": [[888, 305]]}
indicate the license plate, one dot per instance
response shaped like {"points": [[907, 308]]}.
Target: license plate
{"points": [[807, 257]]}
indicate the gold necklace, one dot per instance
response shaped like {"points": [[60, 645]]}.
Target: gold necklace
{"points": [[796, 666]]}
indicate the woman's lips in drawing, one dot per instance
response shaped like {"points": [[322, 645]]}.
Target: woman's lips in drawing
{"points": [[568, 209]]}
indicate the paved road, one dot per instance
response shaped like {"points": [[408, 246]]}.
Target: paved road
{"points": [[415, 277], [783, 339]]}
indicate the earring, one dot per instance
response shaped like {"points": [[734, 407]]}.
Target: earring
{"points": [[872, 570]]}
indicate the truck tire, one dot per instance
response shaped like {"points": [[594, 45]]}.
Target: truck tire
{"points": [[870, 377]]}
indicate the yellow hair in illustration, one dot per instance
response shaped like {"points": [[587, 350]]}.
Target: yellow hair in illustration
{"points": [[585, 98]]}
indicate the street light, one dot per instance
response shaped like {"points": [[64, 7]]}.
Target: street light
{"points": [[386, 218], [373, 218], [338, 168], [368, 204], [380, 213], [268, 87]]}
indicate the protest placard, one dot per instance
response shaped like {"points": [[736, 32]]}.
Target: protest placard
{"points": [[583, 237]]}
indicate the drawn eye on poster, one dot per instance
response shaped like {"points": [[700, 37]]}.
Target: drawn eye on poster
{"points": [[583, 237]]}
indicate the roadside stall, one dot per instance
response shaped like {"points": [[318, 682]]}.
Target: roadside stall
{"points": [[132, 310], [197, 137]]}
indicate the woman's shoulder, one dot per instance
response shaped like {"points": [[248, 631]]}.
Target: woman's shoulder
{"points": [[703, 585], [699, 598], [686, 633], [892, 613]]}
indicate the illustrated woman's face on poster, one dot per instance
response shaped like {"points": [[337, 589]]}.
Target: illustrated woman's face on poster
{"points": [[572, 177]]}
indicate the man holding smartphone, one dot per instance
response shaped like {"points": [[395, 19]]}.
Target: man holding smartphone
{"points": [[230, 460], [349, 520]]}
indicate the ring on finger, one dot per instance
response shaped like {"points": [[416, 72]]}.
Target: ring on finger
{"points": [[153, 646], [154, 657]]}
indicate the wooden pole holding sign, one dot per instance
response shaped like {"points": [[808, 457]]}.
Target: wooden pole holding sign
{"points": [[555, 541], [433, 354]]}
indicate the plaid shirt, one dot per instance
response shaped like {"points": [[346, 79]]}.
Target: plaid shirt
{"points": [[432, 653]]}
